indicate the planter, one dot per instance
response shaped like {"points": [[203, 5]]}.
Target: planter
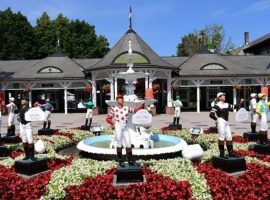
{"points": [[169, 110]]}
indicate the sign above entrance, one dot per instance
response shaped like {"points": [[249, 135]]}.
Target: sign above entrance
{"points": [[35, 114]]}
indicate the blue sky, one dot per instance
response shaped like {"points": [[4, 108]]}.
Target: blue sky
{"points": [[161, 23]]}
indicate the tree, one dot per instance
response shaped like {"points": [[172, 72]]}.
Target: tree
{"points": [[45, 36], [16, 38], [211, 38], [77, 39]]}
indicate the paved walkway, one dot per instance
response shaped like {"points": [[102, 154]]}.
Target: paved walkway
{"points": [[188, 120]]}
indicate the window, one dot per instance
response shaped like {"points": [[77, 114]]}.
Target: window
{"points": [[50, 69], [213, 66], [135, 58]]}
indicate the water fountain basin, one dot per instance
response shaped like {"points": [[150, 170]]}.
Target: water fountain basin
{"points": [[97, 147]]}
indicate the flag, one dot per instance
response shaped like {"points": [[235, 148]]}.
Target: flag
{"points": [[130, 12]]}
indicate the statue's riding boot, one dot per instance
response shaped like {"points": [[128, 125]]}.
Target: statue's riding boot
{"points": [[263, 137], [174, 120], [131, 162], [120, 156], [49, 124], [31, 152], [44, 124], [90, 122], [253, 127], [86, 122], [9, 131], [13, 130], [26, 151], [230, 148], [221, 148], [177, 119]]}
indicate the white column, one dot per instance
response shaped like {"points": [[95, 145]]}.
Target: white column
{"points": [[65, 99], [234, 97], [169, 92], [111, 89], [94, 92], [198, 99], [115, 88], [30, 99], [146, 83]]}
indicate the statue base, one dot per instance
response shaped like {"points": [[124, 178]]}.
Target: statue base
{"points": [[252, 136], [11, 139], [85, 128], [229, 164], [29, 167], [128, 175], [4, 152], [46, 131], [175, 127], [262, 148]]}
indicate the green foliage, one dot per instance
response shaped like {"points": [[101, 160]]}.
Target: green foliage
{"points": [[211, 38], [45, 36], [20, 40], [16, 38]]}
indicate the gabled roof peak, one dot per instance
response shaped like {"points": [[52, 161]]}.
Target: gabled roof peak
{"points": [[130, 30]]}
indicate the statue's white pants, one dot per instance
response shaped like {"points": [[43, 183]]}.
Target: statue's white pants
{"points": [[26, 133], [177, 112], [89, 113], [224, 131], [263, 122], [47, 115], [121, 133], [11, 119]]}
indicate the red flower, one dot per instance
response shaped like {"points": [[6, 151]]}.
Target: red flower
{"points": [[157, 186], [253, 185]]}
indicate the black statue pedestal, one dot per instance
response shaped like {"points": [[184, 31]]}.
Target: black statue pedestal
{"points": [[252, 136], [29, 167], [175, 127], [45, 131], [85, 128], [128, 175], [4, 151], [262, 148], [11, 139], [230, 164]]}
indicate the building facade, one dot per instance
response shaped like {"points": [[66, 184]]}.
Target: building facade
{"points": [[196, 79]]}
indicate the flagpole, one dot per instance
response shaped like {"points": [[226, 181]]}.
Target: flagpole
{"points": [[130, 15]]}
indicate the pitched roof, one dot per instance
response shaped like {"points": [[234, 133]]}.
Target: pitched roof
{"points": [[257, 41], [175, 61], [69, 68], [138, 45], [233, 65]]}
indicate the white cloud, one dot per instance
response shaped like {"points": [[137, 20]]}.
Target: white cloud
{"points": [[257, 7]]}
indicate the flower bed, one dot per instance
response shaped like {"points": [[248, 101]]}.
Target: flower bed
{"points": [[76, 178]]}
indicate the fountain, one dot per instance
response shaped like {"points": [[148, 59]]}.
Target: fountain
{"points": [[144, 145]]}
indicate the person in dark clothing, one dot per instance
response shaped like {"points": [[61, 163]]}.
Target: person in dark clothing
{"points": [[220, 113]]}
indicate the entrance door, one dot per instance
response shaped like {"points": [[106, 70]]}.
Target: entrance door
{"points": [[211, 95]]}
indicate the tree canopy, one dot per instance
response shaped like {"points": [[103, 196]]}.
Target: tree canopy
{"points": [[211, 38], [76, 38]]}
